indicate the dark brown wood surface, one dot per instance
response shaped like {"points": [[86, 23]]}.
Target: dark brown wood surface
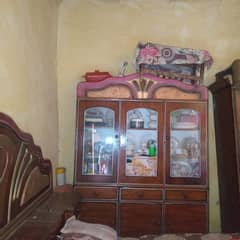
{"points": [[98, 212], [96, 192], [138, 219], [186, 218], [186, 195], [141, 194], [46, 221], [226, 102], [25, 176]]}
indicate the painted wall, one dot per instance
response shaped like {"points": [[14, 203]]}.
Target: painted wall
{"points": [[101, 34], [28, 45]]}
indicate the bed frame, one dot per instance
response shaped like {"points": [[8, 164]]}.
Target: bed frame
{"points": [[25, 176]]}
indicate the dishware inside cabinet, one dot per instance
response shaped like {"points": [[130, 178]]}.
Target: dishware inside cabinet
{"points": [[98, 141], [141, 142]]}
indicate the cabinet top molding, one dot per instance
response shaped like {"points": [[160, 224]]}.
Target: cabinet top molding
{"points": [[144, 86]]}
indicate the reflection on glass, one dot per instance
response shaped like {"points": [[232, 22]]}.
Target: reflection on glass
{"points": [[98, 141], [141, 142], [185, 144]]}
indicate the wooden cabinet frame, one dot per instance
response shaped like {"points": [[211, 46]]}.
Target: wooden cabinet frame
{"points": [[152, 196]]}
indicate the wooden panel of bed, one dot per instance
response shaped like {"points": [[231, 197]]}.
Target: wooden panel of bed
{"points": [[25, 176]]}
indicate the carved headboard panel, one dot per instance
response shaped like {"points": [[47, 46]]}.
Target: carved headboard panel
{"points": [[25, 177]]}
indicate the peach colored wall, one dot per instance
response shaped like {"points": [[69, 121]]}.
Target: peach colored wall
{"points": [[28, 46], [101, 34]]}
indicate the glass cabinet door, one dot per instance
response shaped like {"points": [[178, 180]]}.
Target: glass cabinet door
{"points": [[97, 141], [186, 158], [141, 142], [98, 138], [140, 152], [185, 144]]}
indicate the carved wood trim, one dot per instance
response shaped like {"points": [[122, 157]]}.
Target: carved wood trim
{"points": [[175, 93], [35, 183], [144, 86], [19, 156], [4, 164], [120, 91]]}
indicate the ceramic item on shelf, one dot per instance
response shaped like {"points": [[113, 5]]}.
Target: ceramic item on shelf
{"points": [[181, 169], [94, 116], [191, 145], [183, 119], [135, 119], [180, 154], [136, 123]]}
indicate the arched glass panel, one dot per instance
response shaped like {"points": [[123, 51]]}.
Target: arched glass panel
{"points": [[185, 144], [98, 141], [141, 142]]}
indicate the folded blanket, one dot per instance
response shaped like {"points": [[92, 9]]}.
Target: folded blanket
{"points": [[77, 230]]}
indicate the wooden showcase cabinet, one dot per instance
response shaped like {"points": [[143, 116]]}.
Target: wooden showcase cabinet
{"points": [[141, 155], [226, 102]]}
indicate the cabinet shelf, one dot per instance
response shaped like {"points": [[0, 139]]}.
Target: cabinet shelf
{"points": [[98, 127], [142, 129], [186, 129]]}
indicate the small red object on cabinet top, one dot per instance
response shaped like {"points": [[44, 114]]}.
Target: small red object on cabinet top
{"points": [[96, 76]]}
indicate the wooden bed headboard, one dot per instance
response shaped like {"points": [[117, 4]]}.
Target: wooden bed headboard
{"points": [[25, 177]]}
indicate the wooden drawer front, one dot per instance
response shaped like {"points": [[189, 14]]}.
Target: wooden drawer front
{"points": [[140, 219], [96, 212], [141, 194], [96, 193], [186, 218], [187, 195]]}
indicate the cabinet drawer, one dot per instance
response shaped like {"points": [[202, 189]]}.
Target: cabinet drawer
{"points": [[138, 219], [187, 195], [98, 212], [96, 193], [185, 218], [141, 194]]}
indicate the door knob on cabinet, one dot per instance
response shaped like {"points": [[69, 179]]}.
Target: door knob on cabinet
{"points": [[117, 139]]}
